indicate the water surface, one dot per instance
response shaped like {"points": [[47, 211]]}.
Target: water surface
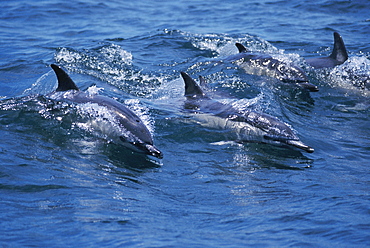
{"points": [[61, 185]]}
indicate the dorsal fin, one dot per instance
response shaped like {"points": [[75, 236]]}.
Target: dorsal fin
{"points": [[339, 52], [64, 81], [192, 89], [241, 48], [202, 81]]}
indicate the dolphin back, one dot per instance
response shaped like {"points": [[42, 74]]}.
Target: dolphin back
{"points": [[265, 64], [126, 117], [64, 81], [338, 56]]}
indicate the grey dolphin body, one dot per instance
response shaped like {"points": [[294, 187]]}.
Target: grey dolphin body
{"points": [[264, 64], [129, 130], [337, 57], [249, 126]]}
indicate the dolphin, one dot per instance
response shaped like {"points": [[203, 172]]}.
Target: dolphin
{"points": [[337, 57], [249, 126], [264, 64], [126, 128]]}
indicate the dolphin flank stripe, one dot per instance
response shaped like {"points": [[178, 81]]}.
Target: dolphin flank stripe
{"points": [[264, 64]]}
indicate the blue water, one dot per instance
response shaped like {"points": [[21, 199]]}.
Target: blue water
{"points": [[63, 186]]}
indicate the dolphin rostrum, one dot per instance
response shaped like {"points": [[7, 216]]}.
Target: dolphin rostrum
{"points": [[126, 127], [249, 126], [337, 57], [264, 64]]}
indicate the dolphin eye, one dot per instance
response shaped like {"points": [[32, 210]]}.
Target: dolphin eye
{"points": [[137, 120]]}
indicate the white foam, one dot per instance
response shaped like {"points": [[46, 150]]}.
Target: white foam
{"points": [[143, 113], [93, 90], [223, 143], [352, 75], [67, 56], [43, 85]]}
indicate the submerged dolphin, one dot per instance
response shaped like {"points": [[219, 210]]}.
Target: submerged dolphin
{"points": [[264, 64], [128, 129], [249, 126], [337, 57]]}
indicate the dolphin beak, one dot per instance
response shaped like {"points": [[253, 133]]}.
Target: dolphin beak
{"points": [[153, 151], [309, 86], [300, 145], [142, 147]]}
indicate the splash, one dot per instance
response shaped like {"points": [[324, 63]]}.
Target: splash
{"points": [[112, 64], [104, 55], [142, 112], [353, 76], [94, 90], [43, 85], [224, 44], [97, 120]]}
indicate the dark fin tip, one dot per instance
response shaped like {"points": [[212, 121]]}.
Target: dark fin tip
{"points": [[240, 47], [64, 81], [202, 81]]}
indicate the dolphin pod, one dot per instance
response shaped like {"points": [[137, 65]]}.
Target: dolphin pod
{"points": [[249, 126], [128, 128]]}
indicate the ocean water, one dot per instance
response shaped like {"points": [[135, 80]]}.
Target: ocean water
{"points": [[62, 185]]}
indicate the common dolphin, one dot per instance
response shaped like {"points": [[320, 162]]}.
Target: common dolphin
{"points": [[337, 57], [264, 64], [128, 129], [249, 126]]}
